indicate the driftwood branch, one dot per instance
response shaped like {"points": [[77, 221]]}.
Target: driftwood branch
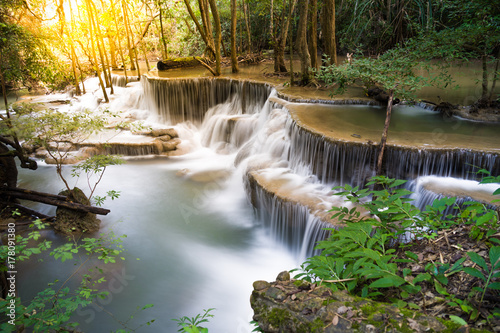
{"points": [[207, 66], [51, 199]]}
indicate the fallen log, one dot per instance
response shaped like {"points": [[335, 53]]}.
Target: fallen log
{"points": [[166, 64], [51, 199], [32, 212]]}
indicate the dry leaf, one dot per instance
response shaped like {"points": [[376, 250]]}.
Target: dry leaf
{"points": [[335, 320]]}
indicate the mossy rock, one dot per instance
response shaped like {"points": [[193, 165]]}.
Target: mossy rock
{"points": [[286, 306], [69, 221]]}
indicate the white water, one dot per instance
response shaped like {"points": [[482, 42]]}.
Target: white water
{"points": [[188, 220]]}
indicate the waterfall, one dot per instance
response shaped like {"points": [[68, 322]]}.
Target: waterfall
{"points": [[244, 121], [340, 162], [121, 81], [429, 188], [182, 100]]}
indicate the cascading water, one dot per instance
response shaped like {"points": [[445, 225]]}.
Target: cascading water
{"points": [[203, 246]]}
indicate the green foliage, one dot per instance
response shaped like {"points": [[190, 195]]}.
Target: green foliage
{"points": [[192, 325], [96, 165], [51, 309], [486, 273], [360, 255], [398, 70]]}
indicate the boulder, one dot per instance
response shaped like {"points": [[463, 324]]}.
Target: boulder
{"points": [[69, 221]]}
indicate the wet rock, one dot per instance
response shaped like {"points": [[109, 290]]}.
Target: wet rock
{"points": [[283, 276], [171, 145], [165, 138], [164, 131], [261, 284]]}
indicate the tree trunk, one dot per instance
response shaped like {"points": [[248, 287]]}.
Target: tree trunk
{"points": [[8, 168], [495, 79], [247, 24], [162, 35], [328, 28], [207, 39], [120, 50], [383, 140], [234, 58], [218, 36], [51, 199], [305, 58], [291, 45], [484, 94], [104, 59], [128, 33], [96, 66], [112, 50], [281, 38], [313, 28]]}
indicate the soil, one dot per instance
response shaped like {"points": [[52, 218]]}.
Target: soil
{"points": [[447, 248]]}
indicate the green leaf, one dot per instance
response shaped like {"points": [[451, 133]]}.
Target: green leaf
{"points": [[478, 260], [440, 289], [386, 282], [494, 285], [495, 257], [458, 320], [474, 272]]}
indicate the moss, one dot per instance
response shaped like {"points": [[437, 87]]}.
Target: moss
{"points": [[277, 317], [316, 326]]}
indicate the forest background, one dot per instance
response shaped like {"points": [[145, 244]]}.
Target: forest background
{"points": [[56, 43]]}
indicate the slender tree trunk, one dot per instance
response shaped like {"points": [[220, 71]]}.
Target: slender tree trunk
{"points": [[484, 95], [120, 50], [383, 140], [162, 35], [495, 79], [234, 58], [207, 26], [128, 33], [328, 29], [73, 67], [207, 39], [145, 56], [4, 89], [247, 24], [96, 66], [291, 45], [104, 59], [313, 45], [112, 50], [218, 37], [305, 58]]}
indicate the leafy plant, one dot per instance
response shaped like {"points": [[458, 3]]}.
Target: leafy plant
{"points": [[53, 307], [485, 273], [192, 325], [96, 165], [360, 256]]}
